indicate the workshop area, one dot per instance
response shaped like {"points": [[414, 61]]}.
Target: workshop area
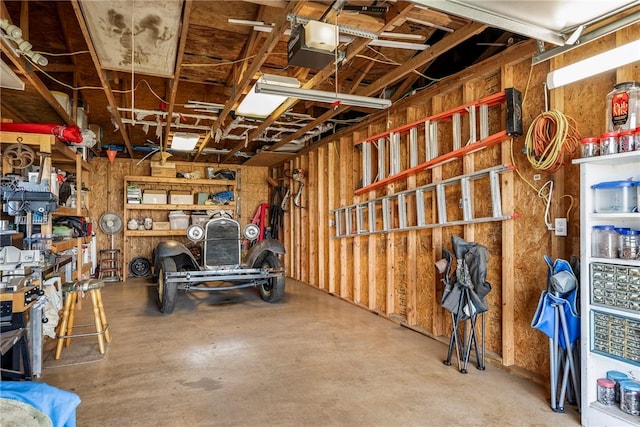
{"points": [[319, 213]]}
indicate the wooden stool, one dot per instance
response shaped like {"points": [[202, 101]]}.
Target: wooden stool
{"points": [[72, 292]]}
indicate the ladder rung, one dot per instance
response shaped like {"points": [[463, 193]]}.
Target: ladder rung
{"points": [[467, 209], [385, 214], [472, 125], [413, 147], [372, 216], [457, 131], [402, 211], [442, 203], [382, 161], [496, 198], [484, 122], [366, 164], [420, 208]]}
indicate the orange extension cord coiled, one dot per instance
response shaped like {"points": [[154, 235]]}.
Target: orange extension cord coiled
{"points": [[552, 140]]}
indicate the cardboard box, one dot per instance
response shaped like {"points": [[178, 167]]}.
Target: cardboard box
{"points": [[180, 197], [167, 170], [154, 197], [159, 225]]}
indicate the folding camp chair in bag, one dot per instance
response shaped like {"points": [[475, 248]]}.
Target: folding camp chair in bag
{"points": [[557, 317], [464, 297]]}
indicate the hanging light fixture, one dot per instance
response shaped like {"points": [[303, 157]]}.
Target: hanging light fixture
{"points": [[605, 61], [261, 105], [333, 98]]}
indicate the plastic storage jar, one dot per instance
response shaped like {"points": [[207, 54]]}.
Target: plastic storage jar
{"points": [[617, 377], [604, 241], [590, 147], [609, 143], [630, 397], [636, 139], [628, 242], [623, 106], [626, 141], [615, 196], [606, 391]]}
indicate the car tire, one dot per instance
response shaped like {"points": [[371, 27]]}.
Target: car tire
{"points": [[273, 290], [166, 291]]}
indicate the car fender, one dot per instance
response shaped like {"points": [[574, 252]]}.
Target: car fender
{"points": [[256, 252], [176, 250]]}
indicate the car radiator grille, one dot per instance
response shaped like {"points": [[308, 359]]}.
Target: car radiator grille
{"points": [[222, 243]]}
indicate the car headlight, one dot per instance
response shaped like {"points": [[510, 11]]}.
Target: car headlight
{"points": [[195, 232], [251, 231]]}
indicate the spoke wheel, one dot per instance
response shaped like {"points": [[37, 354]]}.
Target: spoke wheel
{"points": [[273, 290], [166, 291]]}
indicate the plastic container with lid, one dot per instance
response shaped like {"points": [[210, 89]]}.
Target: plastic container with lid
{"points": [[617, 377], [630, 397], [590, 147], [609, 143], [606, 391], [628, 241], [615, 196], [636, 139], [623, 107], [626, 141], [604, 241]]}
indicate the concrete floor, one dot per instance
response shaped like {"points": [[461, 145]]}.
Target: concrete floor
{"points": [[230, 359]]}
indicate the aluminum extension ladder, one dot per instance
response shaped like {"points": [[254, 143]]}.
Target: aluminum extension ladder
{"points": [[406, 210], [383, 155]]}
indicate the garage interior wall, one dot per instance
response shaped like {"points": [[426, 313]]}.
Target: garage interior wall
{"points": [[393, 274], [106, 194]]}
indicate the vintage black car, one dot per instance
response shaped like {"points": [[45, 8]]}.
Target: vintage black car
{"points": [[221, 267]]}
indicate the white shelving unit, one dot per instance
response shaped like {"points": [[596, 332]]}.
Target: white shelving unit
{"points": [[610, 314]]}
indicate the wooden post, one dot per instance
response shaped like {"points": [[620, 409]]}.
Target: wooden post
{"points": [[508, 245]]}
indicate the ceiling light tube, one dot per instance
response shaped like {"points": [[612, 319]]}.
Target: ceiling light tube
{"points": [[398, 45], [404, 36], [605, 61], [323, 96], [429, 24], [9, 79], [244, 22], [261, 105]]}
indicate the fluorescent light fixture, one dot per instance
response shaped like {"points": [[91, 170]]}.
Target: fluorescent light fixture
{"points": [[9, 79], [320, 35], [184, 141], [244, 22], [403, 36], [323, 96], [398, 45], [605, 61], [261, 104]]}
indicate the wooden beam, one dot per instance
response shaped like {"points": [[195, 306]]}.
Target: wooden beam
{"points": [[400, 72], [508, 278], [395, 15], [103, 81], [261, 56], [186, 15]]}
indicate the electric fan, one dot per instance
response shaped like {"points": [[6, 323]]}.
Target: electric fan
{"points": [[110, 223]]}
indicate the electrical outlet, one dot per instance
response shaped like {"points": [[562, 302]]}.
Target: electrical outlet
{"points": [[537, 177], [561, 226]]}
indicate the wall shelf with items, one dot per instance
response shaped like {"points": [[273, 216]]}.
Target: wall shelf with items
{"points": [[143, 240], [610, 292], [62, 157]]}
